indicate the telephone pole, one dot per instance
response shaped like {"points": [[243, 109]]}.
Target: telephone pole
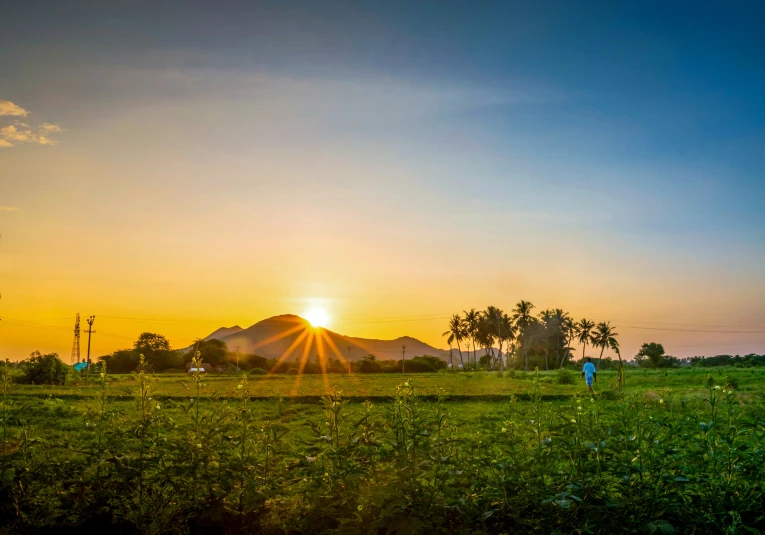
{"points": [[237, 358], [75, 358], [403, 358], [90, 331], [349, 360]]}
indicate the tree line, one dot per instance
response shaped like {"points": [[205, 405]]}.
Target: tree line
{"points": [[542, 341]]}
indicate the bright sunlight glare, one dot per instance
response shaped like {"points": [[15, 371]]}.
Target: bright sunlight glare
{"points": [[317, 317]]}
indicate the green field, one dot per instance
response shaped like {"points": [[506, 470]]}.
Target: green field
{"points": [[680, 451], [688, 381]]}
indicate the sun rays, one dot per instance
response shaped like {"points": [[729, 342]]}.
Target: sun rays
{"points": [[309, 338]]}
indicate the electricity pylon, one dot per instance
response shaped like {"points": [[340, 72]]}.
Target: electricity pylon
{"points": [[76, 344]]}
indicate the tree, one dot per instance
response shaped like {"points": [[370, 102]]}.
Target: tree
{"points": [[583, 329], [369, 364], [562, 328], [150, 343], [493, 317], [45, 369], [122, 360], [213, 351], [603, 337], [614, 344], [523, 321], [456, 333], [485, 337], [651, 351], [472, 318], [567, 332], [545, 329]]}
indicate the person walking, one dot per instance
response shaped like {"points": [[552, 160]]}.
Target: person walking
{"points": [[589, 374]]}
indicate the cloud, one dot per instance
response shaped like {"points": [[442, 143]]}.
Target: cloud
{"points": [[4, 208], [21, 133], [9, 108], [48, 128]]}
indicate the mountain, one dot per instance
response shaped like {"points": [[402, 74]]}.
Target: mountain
{"points": [[276, 336], [223, 331]]}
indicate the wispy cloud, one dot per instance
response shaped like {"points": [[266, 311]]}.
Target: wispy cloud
{"points": [[4, 208], [9, 108], [48, 128], [21, 132]]}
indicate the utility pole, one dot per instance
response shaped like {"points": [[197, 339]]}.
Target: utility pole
{"points": [[90, 331], [349, 360], [237, 358], [403, 358]]}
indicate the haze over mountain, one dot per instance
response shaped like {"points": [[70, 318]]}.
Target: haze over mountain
{"points": [[288, 333]]}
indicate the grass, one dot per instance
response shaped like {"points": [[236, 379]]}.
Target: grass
{"points": [[444, 453], [373, 386]]}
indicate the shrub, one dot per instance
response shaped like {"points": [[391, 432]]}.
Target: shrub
{"points": [[565, 377], [259, 371], [45, 370], [293, 371], [731, 383], [368, 366]]}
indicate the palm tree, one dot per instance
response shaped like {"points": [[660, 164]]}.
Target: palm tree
{"points": [[583, 329], [456, 333], [545, 329], [471, 327], [603, 337], [568, 330], [493, 317], [505, 333], [485, 336], [560, 323], [614, 345], [523, 320]]}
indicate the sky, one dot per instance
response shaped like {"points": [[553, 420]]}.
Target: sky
{"points": [[178, 166]]}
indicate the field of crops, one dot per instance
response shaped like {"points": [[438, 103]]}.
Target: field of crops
{"points": [[676, 451]]}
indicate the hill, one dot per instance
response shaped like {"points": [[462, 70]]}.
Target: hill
{"points": [[293, 335], [223, 332]]}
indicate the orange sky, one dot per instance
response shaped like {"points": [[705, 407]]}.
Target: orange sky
{"points": [[195, 199]]}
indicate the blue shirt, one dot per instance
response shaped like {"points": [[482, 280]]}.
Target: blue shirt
{"points": [[589, 369]]}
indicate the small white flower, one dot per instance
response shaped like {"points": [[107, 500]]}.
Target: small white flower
{"points": [[717, 387], [239, 387], [573, 421], [661, 401], [199, 446]]}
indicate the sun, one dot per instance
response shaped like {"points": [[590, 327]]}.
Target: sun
{"points": [[317, 317]]}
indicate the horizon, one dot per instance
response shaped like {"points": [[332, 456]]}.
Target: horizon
{"points": [[180, 167]]}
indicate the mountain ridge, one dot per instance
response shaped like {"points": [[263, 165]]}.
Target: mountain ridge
{"points": [[294, 336]]}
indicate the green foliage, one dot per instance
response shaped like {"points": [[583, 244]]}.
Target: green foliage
{"points": [[248, 361], [212, 351], [731, 383], [128, 360], [747, 361], [425, 363], [258, 371], [150, 343], [368, 364], [145, 462], [45, 369], [565, 377], [293, 371], [650, 355]]}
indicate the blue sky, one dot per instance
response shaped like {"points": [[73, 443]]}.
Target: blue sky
{"points": [[628, 138]]}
